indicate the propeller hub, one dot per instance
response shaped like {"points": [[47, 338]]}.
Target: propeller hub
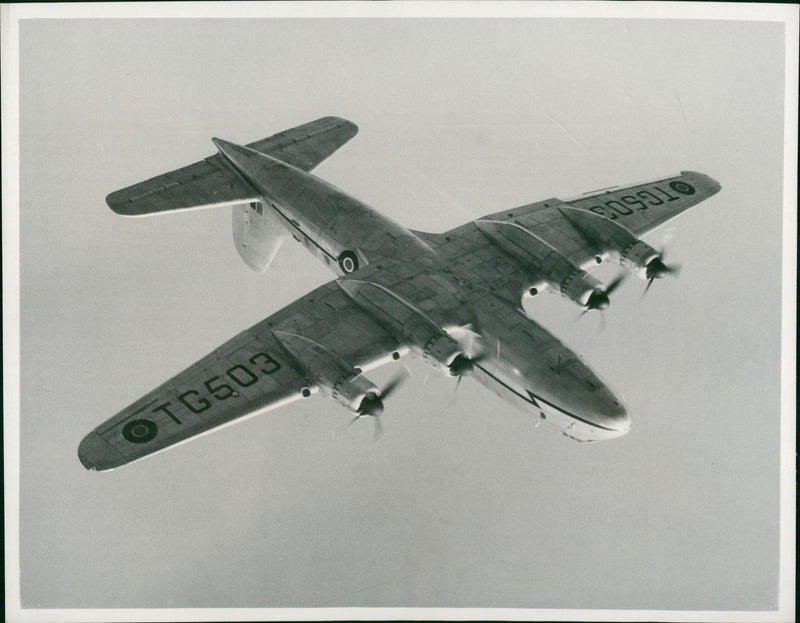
{"points": [[598, 300], [461, 366], [371, 404], [656, 269]]}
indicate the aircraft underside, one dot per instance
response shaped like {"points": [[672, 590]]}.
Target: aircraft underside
{"points": [[453, 299]]}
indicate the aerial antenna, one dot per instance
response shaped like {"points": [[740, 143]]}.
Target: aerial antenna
{"points": [[686, 125]]}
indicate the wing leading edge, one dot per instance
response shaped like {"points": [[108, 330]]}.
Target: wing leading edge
{"points": [[248, 375]]}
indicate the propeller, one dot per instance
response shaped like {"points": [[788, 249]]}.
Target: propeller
{"points": [[377, 430], [372, 403], [615, 283], [657, 269], [464, 363], [599, 300]]}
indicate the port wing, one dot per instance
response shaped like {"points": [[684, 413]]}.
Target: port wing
{"points": [[248, 375]]}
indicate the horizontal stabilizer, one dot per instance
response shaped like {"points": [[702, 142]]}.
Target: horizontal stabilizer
{"points": [[212, 183]]}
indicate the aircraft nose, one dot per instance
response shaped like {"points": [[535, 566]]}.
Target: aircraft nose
{"points": [[610, 413]]}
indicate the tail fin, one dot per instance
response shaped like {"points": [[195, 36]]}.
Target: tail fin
{"points": [[257, 234]]}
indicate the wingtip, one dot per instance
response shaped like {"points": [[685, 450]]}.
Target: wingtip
{"points": [[123, 202], [713, 185], [345, 122], [117, 201], [96, 454]]}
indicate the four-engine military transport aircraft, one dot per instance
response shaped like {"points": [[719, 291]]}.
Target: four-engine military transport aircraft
{"points": [[455, 299]]}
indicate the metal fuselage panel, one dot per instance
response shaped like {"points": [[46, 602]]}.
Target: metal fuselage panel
{"points": [[521, 361], [323, 218]]}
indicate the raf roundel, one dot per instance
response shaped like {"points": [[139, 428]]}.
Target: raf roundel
{"points": [[140, 431], [682, 187], [348, 262]]}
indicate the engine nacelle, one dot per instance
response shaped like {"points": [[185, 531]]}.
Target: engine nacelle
{"points": [[617, 242], [547, 267], [441, 351], [332, 374], [358, 394], [411, 326], [637, 257], [580, 287]]}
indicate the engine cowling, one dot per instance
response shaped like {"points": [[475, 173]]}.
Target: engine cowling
{"points": [[358, 394], [547, 267], [332, 374], [447, 355], [412, 326], [617, 243]]}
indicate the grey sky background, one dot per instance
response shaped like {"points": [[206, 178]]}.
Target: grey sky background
{"points": [[463, 502]]}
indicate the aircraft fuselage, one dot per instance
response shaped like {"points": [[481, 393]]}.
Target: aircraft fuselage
{"points": [[423, 299]]}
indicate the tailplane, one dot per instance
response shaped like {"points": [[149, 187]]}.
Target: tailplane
{"points": [[213, 183], [210, 183]]}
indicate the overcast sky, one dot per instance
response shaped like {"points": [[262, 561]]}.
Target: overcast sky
{"points": [[463, 503]]}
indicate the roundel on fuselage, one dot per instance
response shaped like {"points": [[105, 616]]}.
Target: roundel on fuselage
{"points": [[140, 431], [348, 262]]}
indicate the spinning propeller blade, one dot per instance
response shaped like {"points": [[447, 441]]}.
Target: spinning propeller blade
{"points": [[599, 300], [372, 404], [392, 385], [377, 430], [657, 268], [615, 283]]}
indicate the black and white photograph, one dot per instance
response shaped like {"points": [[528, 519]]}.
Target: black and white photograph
{"points": [[414, 310]]}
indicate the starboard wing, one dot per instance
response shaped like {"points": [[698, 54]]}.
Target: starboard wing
{"points": [[643, 207], [211, 183], [640, 208], [248, 375]]}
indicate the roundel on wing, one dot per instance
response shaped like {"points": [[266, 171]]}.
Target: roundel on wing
{"points": [[348, 262], [140, 431], [682, 187]]}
